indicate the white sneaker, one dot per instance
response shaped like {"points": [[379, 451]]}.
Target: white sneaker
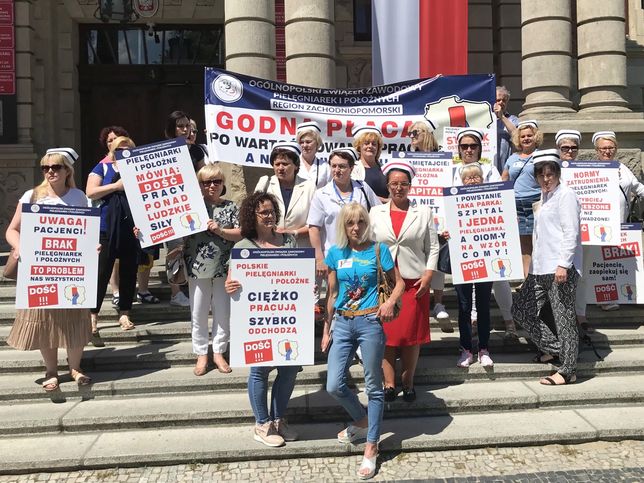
{"points": [[484, 358], [180, 300], [465, 359], [439, 312], [266, 433]]}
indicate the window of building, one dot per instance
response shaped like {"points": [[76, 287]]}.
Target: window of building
{"points": [[362, 20], [144, 45]]}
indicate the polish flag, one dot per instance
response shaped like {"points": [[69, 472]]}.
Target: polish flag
{"points": [[412, 39]]}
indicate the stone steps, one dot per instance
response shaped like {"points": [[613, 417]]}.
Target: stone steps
{"points": [[221, 443]]}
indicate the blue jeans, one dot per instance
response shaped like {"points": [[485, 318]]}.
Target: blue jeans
{"points": [[280, 392], [349, 333], [464, 296]]}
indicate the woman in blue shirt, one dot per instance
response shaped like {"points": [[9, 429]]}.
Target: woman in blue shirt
{"points": [[352, 303], [520, 170]]}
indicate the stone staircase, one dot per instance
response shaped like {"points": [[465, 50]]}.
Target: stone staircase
{"points": [[145, 406]]}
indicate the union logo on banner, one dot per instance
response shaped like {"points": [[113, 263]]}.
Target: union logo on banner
{"points": [[146, 8]]}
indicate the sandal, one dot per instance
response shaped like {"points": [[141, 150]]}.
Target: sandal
{"points": [[367, 464], [549, 381], [80, 378], [222, 365], [115, 300], [125, 323], [50, 384], [96, 339], [542, 358], [202, 365], [147, 298]]}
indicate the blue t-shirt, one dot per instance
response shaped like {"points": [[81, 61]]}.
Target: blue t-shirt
{"points": [[107, 173], [525, 186], [357, 274]]}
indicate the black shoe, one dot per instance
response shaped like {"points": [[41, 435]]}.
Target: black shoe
{"points": [[390, 394], [409, 395]]}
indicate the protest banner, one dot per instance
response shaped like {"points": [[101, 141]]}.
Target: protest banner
{"points": [[484, 234], [163, 191], [434, 171], [615, 274], [245, 115], [58, 257], [450, 143], [596, 184], [272, 315]]}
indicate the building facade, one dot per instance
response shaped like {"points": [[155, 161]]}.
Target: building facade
{"points": [[575, 64]]}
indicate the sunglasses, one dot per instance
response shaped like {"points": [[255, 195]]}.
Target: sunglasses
{"points": [[567, 149], [468, 146], [213, 182], [415, 133], [54, 167], [265, 214]]}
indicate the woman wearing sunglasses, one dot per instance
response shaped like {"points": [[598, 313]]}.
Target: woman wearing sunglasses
{"points": [[49, 329], [206, 257]]}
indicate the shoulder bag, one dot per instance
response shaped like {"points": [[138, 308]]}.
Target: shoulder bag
{"points": [[385, 286]]}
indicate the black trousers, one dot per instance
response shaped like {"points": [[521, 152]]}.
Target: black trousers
{"points": [[128, 268]]}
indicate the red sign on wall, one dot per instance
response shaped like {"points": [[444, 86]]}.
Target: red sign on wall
{"points": [[6, 12]]}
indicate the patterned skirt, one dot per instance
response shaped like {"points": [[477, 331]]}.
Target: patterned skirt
{"points": [[49, 328]]}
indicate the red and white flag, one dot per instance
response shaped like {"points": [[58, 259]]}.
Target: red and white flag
{"points": [[412, 39]]}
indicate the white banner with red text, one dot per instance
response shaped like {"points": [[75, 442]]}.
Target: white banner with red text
{"points": [[58, 257], [272, 315]]}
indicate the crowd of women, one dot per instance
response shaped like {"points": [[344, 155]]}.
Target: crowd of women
{"points": [[362, 225]]}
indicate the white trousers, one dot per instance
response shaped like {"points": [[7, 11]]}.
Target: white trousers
{"points": [[209, 294]]}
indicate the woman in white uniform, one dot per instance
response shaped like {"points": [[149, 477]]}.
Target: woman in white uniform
{"points": [[312, 168]]}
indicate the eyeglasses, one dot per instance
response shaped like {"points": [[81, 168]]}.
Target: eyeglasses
{"points": [[415, 133], [473, 147], [403, 184], [473, 177], [265, 213], [569, 149], [54, 167], [214, 182]]}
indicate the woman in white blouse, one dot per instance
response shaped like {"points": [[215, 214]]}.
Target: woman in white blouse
{"points": [[312, 168], [554, 271], [292, 192], [409, 233]]}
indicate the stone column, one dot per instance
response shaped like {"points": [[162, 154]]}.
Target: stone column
{"points": [[250, 50], [546, 56], [601, 39], [310, 42]]}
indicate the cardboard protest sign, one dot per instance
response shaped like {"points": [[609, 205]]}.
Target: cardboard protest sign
{"points": [[163, 191], [596, 184], [246, 115], [272, 315], [58, 257], [615, 274], [434, 171], [484, 234]]}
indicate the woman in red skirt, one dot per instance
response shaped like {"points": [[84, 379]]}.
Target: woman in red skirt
{"points": [[409, 233]]}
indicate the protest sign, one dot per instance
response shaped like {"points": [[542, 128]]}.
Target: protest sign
{"points": [[434, 171], [615, 274], [163, 191], [245, 115], [596, 184], [58, 257], [272, 315], [450, 143], [484, 234]]}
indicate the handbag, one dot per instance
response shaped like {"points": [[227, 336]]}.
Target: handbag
{"points": [[11, 268], [444, 263], [176, 267], [385, 286]]}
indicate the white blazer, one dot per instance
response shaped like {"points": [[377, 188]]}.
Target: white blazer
{"points": [[298, 209], [416, 247]]}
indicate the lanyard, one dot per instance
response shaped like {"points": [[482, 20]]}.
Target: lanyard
{"points": [[339, 195]]}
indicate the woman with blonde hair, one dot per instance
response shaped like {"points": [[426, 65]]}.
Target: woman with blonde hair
{"points": [[520, 170], [312, 168], [206, 257], [49, 329], [422, 138], [117, 235], [367, 140]]}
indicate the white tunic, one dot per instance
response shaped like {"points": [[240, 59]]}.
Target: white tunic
{"points": [[490, 174], [320, 171], [326, 206], [556, 238], [629, 186]]}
